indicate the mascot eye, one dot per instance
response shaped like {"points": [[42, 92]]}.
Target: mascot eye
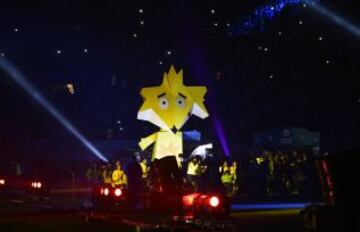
{"points": [[180, 102], [163, 103]]}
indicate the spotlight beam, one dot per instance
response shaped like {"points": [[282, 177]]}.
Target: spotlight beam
{"points": [[36, 95], [335, 18], [221, 135]]}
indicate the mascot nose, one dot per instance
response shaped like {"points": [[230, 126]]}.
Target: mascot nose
{"points": [[174, 130]]}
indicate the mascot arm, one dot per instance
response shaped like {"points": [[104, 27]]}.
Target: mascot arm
{"points": [[145, 142]]}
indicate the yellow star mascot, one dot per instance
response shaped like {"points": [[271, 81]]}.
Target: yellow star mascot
{"points": [[169, 106]]}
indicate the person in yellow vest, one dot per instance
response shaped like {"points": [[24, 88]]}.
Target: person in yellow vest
{"points": [[224, 168], [119, 176], [193, 171], [227, 180], [144, 168], [107, 174], [233, 172]]}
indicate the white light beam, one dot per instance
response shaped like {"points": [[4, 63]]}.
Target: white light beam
{"points": [[34, 93], [335, 18]]}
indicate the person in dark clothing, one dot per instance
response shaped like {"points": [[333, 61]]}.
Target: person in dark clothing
{"points": [[210, 180], [168, 173], [134, 178], [282, 173], [166, 184]]}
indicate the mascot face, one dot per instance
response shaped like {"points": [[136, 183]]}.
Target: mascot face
{"points": [[170, 104]]}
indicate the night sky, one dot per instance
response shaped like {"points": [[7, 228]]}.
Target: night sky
{"points": [[91, 58]]}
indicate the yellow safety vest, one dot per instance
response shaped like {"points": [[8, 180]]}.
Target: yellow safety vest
{"points": [[119, 177]]}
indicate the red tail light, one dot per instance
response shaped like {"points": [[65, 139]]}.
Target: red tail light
{"points": [[188, 200], [214, 201], [197, 203], [36, 184], [2, 182], [106, 191], [117, 192]]}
